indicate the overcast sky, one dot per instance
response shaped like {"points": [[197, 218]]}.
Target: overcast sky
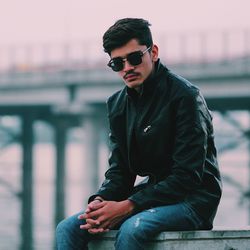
{"points": [[56, 20]]}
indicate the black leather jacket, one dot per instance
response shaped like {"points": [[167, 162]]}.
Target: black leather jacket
{"points": [[165, 133]]}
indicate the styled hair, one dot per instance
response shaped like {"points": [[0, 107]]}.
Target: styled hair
{"points": [[124, 30]]}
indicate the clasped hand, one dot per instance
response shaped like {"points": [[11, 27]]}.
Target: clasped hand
{"points": [[102, 216]]}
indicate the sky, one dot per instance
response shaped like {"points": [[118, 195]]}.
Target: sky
{"points": [[35, 21]]}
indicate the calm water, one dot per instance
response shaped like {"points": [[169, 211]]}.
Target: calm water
{"points": [[233, 210]]}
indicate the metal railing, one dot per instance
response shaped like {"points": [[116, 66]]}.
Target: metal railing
{"points": [[175, 48]]}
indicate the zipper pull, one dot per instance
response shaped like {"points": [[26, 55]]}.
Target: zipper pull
{"points": [[145, 130]]}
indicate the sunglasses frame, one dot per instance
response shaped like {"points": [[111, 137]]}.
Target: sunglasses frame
{"points": [[121, 60]]}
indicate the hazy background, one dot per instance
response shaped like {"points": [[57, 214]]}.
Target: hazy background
{"points": [[32, 22], [53, 20]]}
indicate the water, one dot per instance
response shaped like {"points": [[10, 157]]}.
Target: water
{"points": [[233, 210]]}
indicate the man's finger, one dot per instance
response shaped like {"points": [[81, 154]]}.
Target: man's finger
{"points": [[97, 230], [92, 214], [90, 223], [86, 226], [94, 205], [91, 206], [81, 216], [93, 222]]}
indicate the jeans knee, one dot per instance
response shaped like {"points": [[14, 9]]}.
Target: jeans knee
{"points": [[132, 229], [68, 226], [61, 228], [70, 236]]}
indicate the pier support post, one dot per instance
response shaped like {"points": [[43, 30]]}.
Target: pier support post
{"points": [[60, 143], [248, 137], [92, 130], [27, 183]]}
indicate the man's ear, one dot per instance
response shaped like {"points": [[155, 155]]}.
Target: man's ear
{"points": [[154, 53]]}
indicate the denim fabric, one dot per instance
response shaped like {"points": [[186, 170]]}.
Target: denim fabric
{"points": [[134, 231], [69, 236]]}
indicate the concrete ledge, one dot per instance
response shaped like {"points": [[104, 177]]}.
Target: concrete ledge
{"points": [[218, 238]]}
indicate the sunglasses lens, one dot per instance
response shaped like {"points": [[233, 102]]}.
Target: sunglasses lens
{"points": [[135, 58], [116, 64]]}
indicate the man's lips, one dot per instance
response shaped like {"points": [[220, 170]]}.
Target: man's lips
{"points": [[131, 76]]}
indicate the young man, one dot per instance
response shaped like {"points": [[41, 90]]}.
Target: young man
{"points": [[161, 129]]}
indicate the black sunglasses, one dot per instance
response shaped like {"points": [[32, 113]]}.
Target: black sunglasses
{"points": [[134, 58]]}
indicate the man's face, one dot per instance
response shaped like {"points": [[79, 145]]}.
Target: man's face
{"points": [[134, 76]]}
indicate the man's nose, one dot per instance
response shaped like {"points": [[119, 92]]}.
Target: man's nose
{"points": [[127, 66]]}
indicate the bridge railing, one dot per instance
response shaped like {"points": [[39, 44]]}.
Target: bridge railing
{"points": [[175, 48]]}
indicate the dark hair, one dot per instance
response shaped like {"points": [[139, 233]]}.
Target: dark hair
{"points": [[126, 29]]}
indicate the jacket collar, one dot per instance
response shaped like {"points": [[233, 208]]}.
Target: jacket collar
{"points": [[149, 84]]}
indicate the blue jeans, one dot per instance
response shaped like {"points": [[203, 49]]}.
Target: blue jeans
{"points": [[134, 231]]}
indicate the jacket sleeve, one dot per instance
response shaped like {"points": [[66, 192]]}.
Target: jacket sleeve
{"points": [[119, 181], [189, 153]]}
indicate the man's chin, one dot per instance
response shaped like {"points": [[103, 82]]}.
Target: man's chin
{"points": [[133, 85]]}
